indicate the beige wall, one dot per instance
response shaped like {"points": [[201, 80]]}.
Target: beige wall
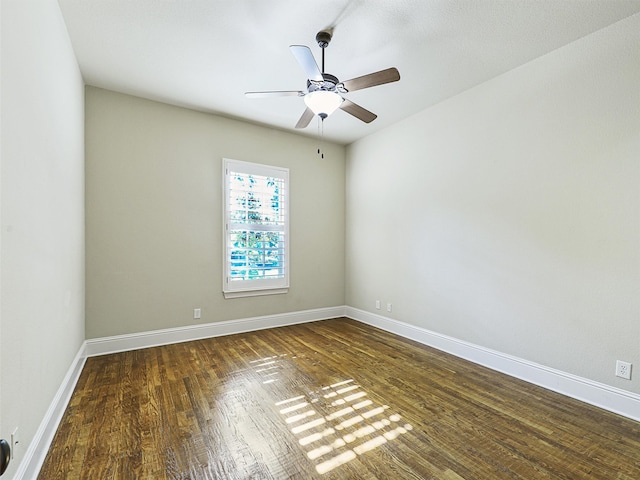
{"points": [[509, 216], [153, 215], [42, 214]]}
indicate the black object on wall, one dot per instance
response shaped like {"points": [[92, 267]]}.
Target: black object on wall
{"points": [[5, 455]]}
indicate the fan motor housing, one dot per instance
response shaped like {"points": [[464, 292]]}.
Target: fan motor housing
{"points": [[329, 83]]}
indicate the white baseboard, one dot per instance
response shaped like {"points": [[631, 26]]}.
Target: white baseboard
{"points": [[120, 343], [594, 393], [33, 459]]}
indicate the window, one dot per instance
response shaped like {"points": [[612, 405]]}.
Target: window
{"points": [[256, 229]]}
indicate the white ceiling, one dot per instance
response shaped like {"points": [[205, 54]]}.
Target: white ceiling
{"points": [[204, 54]]}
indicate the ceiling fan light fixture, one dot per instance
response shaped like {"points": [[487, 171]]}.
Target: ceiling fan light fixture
{"points": [[324, 91], [322, 102]]}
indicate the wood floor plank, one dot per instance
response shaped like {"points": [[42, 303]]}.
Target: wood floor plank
{"points": [[335, 399]]}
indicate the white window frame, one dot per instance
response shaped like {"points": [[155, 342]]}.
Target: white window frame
{"points": [[253, 287]]}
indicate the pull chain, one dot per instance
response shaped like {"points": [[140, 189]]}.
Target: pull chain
{"points": [[321, 136]]}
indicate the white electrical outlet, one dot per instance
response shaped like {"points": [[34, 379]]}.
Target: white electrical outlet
{"points": [[623, 369], [197, 313], [388, 307], [377, 304]]}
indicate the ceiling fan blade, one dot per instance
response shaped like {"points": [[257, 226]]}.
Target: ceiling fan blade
{"points": [[305, 119], [357, 111], [282, 93], [371, 80], [307, 62]]}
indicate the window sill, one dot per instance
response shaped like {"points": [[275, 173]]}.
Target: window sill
{"points": [[255, 293]]}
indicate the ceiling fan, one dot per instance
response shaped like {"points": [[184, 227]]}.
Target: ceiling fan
{"points": [[324, 91]]}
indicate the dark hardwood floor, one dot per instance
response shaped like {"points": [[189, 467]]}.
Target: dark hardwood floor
{"points": [[335, 399]]}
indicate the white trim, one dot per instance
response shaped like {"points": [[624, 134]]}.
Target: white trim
{"points": [[594, 393], [255, 293], [600, 395], [120, 343], [36, 453], [34, 457]]}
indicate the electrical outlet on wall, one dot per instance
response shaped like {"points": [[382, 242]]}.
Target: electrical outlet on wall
{"points": [[623, 369]]}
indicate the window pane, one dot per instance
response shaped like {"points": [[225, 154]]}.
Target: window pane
{"points": [[256, 199], [254, 255]]}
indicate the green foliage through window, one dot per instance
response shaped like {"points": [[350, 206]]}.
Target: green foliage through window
{"points": [[256, 232]]}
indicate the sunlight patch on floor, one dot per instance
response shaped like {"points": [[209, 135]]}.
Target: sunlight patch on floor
{"points": [[268, 367], [354, 426]]}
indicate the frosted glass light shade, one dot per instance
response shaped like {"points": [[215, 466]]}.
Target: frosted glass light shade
{"points": [[323, 103]]}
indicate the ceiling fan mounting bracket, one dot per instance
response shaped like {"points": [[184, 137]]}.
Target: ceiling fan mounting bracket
{"points": [[323, 38]]}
